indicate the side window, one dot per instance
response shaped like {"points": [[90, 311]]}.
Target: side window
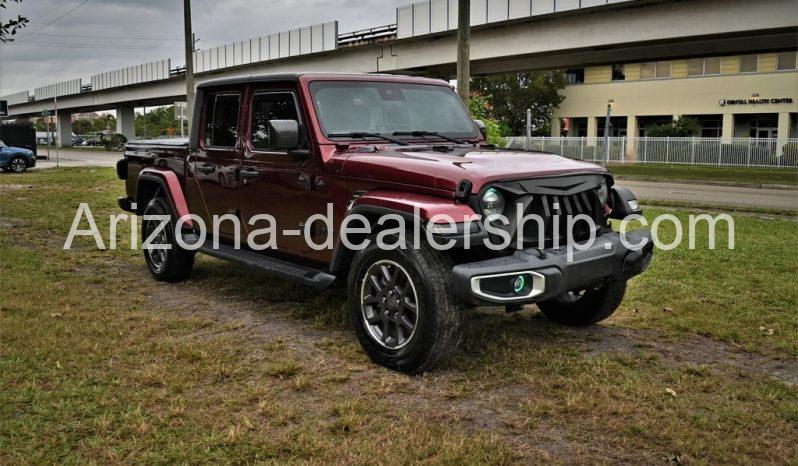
{"points": [[221, 120], [270, 106]]}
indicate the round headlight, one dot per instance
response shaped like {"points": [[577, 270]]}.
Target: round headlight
{"points": [[492, 202], [604, 193]]}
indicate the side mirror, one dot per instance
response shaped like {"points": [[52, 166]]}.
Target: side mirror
{"points": [[283, 134], [482, 128]]}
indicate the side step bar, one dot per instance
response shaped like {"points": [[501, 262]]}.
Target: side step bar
{"points": [[297, 273]]}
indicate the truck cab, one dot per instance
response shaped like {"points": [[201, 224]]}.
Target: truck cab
{"points": [[383, 185]]}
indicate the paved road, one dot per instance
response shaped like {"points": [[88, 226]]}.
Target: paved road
{"points": [[78, 158], [785, 199], [645, 190]]}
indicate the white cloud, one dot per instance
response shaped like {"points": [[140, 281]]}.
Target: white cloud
{"points": [[128, 32]]}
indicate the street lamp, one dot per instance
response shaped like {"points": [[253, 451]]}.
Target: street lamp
{"points": [[607, 128]]}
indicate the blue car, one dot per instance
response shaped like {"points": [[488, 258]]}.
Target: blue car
{"points": [[15, 159]]}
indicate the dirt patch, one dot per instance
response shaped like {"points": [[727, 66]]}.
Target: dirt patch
{"points": [[689, 350], [15, 187]]}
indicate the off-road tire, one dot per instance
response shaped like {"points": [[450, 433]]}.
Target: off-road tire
{"points": [[595, 305], [438, 318], [176, 263], [17, 162]]}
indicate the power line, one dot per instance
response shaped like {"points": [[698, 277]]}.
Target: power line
{"points": [[106, 37], [50, 23], [91, 46]]}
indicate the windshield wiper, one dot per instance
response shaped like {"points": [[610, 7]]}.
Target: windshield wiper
{"points": [[363, 135], [430, 133]]}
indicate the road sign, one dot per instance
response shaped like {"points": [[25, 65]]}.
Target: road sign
{"points": [[3, 108], [45, 113]]}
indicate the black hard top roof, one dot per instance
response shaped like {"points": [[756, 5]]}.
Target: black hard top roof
{"points": [[294, 77]]}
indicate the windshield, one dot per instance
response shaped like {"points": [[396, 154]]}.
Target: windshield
{"points": [[2, 144], [386, 108]]}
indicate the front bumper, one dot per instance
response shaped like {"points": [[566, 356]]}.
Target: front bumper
{"points": [[549, 273]]}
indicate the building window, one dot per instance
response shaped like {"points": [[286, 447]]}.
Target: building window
{"points": [[664, 69], [648, 70], [712, 66], [703, 66], [618, 73], [787, 61], [695, 67], [575, 76], [749, 63], [655, 70]]}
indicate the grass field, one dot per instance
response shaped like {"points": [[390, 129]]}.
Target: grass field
{"points": [[754, 176], [99, 363]]}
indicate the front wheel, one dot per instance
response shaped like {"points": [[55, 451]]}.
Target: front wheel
{"points": [[17, 165], [585, 307], [402, 307]]}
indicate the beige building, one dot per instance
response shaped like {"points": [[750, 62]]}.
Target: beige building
{"points": [[749, 96]]}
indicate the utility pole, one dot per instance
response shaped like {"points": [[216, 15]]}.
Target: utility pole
{"points": [[58, 135], [463, 49], [528, 142], [189, 46]]}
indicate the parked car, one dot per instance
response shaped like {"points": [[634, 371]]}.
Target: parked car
{"points": [[388, 149], [16, 159]]}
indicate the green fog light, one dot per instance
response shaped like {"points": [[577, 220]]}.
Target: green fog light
{"points": [[519, 284]]}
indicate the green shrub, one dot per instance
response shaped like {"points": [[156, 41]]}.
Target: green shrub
{"points": [[115, 142]]}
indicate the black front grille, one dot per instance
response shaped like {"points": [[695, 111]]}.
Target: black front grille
{"points": [[554, 212], [548, 204]]}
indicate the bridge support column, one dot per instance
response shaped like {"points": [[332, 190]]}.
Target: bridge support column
{"points": [[63, 129], [126, 122]]}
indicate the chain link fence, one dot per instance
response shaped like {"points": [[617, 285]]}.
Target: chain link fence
{"points": [[738, 152]]}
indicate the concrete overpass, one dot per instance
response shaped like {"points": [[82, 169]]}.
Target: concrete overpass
{"points": [[627, 31]]}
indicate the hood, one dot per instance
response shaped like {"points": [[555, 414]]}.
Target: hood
{"points": [[21, 150], [423, 166]]}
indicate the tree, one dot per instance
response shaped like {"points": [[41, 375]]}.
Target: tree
{"points": [[479, 107], [158, 120], [104, 122], [83, 127], [511, 95], [11, 27], [682, 128]]}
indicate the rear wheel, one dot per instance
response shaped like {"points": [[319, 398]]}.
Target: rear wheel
{"points": [[585, 307], [169, 265], [402, 307]]}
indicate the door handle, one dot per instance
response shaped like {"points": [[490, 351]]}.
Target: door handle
{"points": [[206, 168]]}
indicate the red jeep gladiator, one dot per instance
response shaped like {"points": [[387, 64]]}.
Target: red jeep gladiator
{"points": [[402, 156]]}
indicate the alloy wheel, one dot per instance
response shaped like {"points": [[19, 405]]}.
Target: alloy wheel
{"points": [[156, 254], [18, 165], [389, 304]]}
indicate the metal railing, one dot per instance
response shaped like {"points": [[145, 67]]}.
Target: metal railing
{"points": [[737, 152], [368, 36]]}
